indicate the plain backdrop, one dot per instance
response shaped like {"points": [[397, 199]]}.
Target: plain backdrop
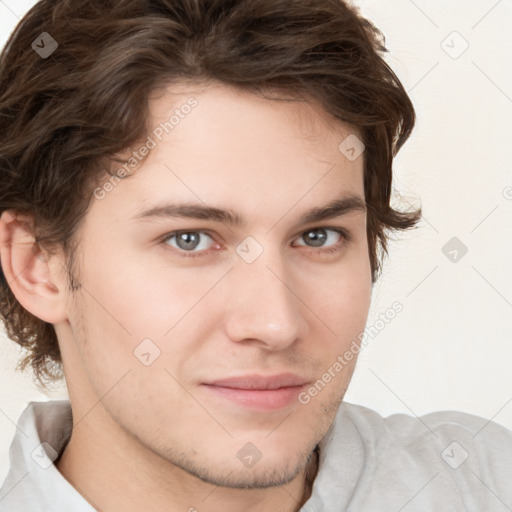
{"points": [[451, 346]]}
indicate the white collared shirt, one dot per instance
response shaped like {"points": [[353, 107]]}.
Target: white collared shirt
{"points": [[444, 461]]}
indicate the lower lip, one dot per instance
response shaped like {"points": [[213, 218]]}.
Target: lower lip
{"points": [[268, 399]]}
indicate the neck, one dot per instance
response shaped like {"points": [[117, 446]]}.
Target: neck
{"points": [[113, 471]]}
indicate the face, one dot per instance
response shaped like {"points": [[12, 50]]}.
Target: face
{"points": [[183, 324]]}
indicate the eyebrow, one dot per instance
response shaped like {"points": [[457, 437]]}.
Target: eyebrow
{"points": [[335, 208]]}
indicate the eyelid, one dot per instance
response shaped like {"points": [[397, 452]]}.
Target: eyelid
{"points": [[172, 234], [342, 231], [345, 234]]}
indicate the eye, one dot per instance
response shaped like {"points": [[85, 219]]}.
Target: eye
{"points": [[318, 237], [192, 243], [187, 241]]}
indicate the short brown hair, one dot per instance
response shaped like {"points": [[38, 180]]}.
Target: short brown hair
{"points": [[65, 117]]}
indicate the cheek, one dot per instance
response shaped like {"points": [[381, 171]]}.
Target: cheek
{"points": [[141, 296], [134, 298], [140, 318], [340, 295]]}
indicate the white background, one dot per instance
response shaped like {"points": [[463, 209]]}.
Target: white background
{"points": [[451, 346]]}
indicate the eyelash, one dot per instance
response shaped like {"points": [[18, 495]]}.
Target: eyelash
{"points": [[345, 238]]}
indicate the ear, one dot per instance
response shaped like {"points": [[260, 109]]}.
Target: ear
{"points": [[27, 271]]}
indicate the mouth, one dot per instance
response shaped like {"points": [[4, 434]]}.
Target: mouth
{"points": [[258, 391]]}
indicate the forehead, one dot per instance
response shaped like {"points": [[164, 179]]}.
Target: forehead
{"points": [[230, 108], [230, 148]]}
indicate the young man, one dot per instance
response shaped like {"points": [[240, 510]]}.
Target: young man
{"points": [[194, 194]]}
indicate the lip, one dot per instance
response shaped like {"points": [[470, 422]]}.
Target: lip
{"points": [[259, 391]]}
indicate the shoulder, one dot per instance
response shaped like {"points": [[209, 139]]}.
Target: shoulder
{"points": [[452, 435], [457, 457], [404, 427], [409, 424]]}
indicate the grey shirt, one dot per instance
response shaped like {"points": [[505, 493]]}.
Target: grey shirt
{"points": [[444, 461]]}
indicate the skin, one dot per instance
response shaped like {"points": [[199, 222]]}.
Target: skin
{"points": [[151, 437]]}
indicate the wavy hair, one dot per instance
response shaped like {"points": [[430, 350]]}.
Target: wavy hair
{"points": [[65, 117]]}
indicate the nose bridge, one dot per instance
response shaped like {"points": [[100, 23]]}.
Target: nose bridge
{"points": [[262, 305]]}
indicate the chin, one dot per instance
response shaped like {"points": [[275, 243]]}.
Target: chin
{"points": [[261, 478]]}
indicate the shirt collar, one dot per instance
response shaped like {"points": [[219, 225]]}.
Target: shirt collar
{"points": [[34, 483]]}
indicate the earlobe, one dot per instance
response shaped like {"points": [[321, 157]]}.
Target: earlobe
{"points": [[27, 271]]}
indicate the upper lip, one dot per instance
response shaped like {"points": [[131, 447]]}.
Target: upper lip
{"points": [[282, 380]]}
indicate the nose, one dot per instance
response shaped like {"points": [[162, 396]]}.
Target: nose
{"points": [[262, 306]]}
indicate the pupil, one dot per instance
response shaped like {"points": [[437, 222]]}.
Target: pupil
{"points": [[188, 240], [317, 236]]}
